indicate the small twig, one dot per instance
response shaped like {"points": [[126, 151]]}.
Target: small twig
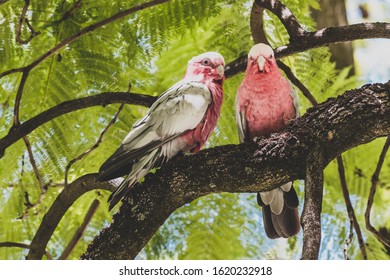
{"points": [[19, 97], [49, 185], [374, 181], [34, 165], [76, 5], [80, 231], [22, 20], [348, 241], [96, 145], [22, 245], [290, 75], [30, 205], [3, 1], [348, 204], [21, 170]]}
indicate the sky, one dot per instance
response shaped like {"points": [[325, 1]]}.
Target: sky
{"points": [[372, 57]]}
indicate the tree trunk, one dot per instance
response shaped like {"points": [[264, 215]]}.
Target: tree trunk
{"points": [[333, 13]]}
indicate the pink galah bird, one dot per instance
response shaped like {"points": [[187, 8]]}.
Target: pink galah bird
{"points": [[265, 102], [180, 120]]}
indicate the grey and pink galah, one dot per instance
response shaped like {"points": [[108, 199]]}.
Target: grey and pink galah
{"points": [[265, 102], [180, 120]]}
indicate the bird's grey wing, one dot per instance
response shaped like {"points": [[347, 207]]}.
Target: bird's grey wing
{"points": [[241, 122], [179, 109], [295, 98]]}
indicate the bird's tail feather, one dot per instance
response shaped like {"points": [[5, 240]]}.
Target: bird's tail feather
{"points": [[280, 211], [139, 170]]}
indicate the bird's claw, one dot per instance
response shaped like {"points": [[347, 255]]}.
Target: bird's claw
{"points": [[276, 146]]}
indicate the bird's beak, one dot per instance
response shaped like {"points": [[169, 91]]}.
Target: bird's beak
{"points": [[261, 62], [220, 70]]}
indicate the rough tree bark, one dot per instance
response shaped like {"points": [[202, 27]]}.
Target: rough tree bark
{"points": [[354, 118]]}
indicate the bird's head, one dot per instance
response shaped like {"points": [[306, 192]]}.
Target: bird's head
{"points": [[261, 58], [206, 66]]}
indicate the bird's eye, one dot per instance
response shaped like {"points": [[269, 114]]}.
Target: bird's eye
{"points": [[271, 56], [206, 62]]}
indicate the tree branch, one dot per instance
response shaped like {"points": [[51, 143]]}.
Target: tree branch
{"points": [[350, 210], [320, 38], [339, 124], [65, 107], [287, 18], [311, 216], [59, 207], [79, 232], [34, 165], [22, 20], [374, 180], [95, 146], [331, 35], [76, 5], [257, 24], [22, 245], [19, 97]]}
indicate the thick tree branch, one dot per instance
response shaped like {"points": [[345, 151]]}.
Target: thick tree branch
{"points": [[289, 21], [65, 107], [320, 38], [257, 24], [336, 125], [331, 35], [61, 204]]}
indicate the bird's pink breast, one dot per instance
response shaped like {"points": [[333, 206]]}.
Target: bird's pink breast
{"points": [[267, 104], [197, 137]]}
